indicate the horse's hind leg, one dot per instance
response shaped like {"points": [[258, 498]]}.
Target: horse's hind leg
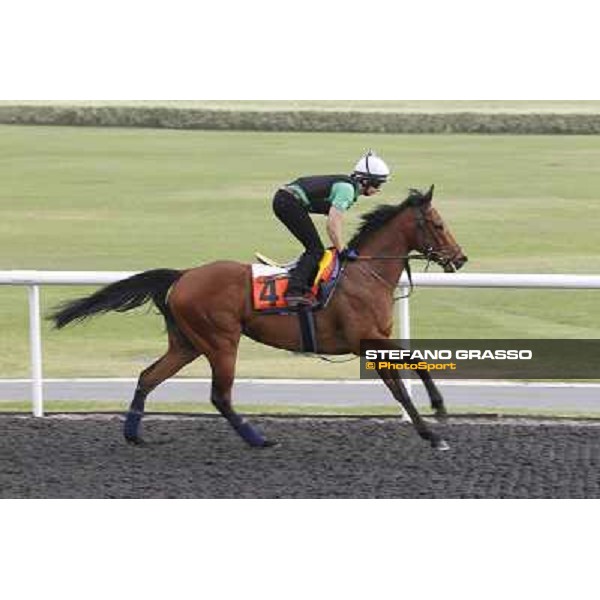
{"points": [[223, 369], [398, 389], [435, 396], [170, 363]]}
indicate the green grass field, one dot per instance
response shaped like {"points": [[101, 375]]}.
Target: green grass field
{"points": [[123, 199], [404, 106]]}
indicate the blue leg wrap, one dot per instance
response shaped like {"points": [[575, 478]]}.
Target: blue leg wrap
{"points": [[132, 424], [250, 435]]}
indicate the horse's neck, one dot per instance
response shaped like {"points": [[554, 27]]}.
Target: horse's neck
{"points": [[389, 246]]}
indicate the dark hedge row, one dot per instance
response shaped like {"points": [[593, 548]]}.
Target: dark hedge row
{"points": [[370, 122]]}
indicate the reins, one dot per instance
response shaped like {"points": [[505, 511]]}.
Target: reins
{"points": [[406, 258], [428, 256]]}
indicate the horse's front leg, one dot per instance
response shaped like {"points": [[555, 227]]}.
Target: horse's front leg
{"points": [[435, 397], [398, 389]]}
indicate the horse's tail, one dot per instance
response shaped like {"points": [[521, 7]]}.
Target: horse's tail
{"points": [[122, 296]]}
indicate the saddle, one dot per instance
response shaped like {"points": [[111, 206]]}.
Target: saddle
{"points": [[270, 282]]}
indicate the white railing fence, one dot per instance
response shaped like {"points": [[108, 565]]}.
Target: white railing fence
{"points": [[33, 280]]}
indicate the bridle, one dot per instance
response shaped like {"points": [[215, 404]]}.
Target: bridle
{"points": [[425, 240], [428, 240]]}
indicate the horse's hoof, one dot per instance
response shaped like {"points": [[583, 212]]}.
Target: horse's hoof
{"points": [[440, 444], [135, 440], [441, 415], [269, 444]]}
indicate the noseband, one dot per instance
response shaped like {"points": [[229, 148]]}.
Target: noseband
{"points": [[426, 241]]}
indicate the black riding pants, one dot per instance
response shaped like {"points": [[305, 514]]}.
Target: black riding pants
{"points": [[295, 216]]}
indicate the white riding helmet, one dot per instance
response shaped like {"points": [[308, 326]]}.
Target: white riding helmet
{"points": [[372, 168]]}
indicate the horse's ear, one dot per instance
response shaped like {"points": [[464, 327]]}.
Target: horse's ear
{"points": [[429, 194]]}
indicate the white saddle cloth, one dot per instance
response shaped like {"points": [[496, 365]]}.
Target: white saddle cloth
{"points": [[260, 270]]}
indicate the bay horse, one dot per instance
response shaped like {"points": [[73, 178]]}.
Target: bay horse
{"points": [[208, 308]]}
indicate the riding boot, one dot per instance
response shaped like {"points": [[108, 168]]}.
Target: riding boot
{"points": [[300, 282]]}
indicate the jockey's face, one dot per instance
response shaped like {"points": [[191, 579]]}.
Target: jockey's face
{"points": [[369, 189]]}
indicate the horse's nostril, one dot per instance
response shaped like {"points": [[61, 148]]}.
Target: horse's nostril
{"points": [[459, 262]]}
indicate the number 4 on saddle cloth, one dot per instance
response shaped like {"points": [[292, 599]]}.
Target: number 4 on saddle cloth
{"points": [[270, 282]]}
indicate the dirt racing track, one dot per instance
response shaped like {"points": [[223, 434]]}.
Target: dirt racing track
{"points": [[200, 457]]}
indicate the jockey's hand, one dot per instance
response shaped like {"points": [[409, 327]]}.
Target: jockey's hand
{"points": [[349, 254]]}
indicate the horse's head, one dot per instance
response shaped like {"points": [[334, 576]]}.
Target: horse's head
{"points": [[412, 225], [432, 236]]}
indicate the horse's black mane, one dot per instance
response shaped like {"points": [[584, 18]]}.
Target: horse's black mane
{"points": [[377, 218]]}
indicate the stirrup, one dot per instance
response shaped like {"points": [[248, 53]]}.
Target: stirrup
{"points": [[300, 300]]}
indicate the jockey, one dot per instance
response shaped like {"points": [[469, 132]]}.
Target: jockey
{"points": [[330, 195]]}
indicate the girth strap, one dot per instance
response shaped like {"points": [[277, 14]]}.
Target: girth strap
{"points": [[308, 333]]}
